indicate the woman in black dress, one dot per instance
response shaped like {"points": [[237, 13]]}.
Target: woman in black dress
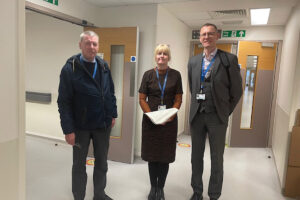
{"points": [[161, 88]]}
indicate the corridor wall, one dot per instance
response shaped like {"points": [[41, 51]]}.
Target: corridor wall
{"points": [[12, 95], [287, 93], [171, 31], [50, 42], [75, 8]]}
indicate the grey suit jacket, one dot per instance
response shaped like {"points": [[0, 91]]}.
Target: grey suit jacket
{"points": [[226, 84]]}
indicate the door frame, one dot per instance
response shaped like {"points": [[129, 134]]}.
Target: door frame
{"points": [[274, 92]]}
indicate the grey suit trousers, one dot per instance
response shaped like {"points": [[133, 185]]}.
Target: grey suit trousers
{"points": [[100, 139], [202, 125]]}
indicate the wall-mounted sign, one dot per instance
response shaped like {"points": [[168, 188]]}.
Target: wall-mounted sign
{"points": [[55, 2], [233, 33], [132, 59], [196, 34]]}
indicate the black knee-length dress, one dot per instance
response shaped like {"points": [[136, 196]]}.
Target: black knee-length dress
{"points": [[159, 141]]}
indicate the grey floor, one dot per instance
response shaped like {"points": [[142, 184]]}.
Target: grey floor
{"points": [[249, 174]]}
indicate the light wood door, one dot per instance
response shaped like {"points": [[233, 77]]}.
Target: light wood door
{"points": [[119, 48], [225, 47], [251, 118]]}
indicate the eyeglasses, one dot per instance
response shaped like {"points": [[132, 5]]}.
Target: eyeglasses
{"points": [[208, 34]]}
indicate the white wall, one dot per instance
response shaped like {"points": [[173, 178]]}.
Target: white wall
{"points": [[171, 31], [287, 79], [12, 120], [145, 18], [50, 42], [296, 90], [75, 8]]}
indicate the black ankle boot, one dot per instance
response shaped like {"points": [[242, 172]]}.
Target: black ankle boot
{"points": [[152, 193], [160, 195]]}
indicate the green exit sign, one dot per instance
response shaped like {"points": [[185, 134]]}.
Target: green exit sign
{"points": [[55, 2], [233, 33]]}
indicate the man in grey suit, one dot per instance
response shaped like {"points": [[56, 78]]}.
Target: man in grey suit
{"points": [[216, 87]]}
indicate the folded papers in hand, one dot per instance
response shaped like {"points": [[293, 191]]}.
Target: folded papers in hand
{"points": [[161, 116]]}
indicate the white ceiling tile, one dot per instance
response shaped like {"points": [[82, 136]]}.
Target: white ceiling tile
{"points": [[193, 15]]}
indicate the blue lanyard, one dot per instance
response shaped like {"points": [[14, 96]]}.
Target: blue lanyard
{"points": [[203, 72], [95, 68], [164, 86]]}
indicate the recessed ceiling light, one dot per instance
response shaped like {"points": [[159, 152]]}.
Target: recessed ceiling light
{"points": [[259, 16]]}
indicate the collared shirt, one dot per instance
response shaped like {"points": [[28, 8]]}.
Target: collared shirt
{"points": [[84, 59], [210, 57]]}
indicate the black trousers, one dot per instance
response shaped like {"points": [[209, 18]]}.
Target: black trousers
{"points": [[100, 139], [202, 125]]}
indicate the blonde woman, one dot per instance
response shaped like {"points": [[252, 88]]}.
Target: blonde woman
{"points": [[161, 88]]}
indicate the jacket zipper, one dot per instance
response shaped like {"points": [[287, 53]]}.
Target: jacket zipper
{"points": [[101, 87]]}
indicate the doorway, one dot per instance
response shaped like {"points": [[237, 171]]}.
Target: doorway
{"points": [[118, 46], [251, 117]]}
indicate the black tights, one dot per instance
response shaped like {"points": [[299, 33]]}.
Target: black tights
{"points": [[158, 173]]}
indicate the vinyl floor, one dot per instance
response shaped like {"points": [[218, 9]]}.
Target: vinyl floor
{"points": [[249, 174]]}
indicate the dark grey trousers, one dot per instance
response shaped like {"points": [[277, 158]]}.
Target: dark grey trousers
{"points": [[100, 139], [202, 125]]}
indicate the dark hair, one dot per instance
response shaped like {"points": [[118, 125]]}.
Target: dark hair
{"points": [[209, 24]]}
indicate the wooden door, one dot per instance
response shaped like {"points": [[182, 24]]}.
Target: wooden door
{"points": [[251, 118], [119, 48]]}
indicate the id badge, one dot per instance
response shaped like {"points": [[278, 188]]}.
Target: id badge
{"points": [[162, 107], [200, 96]]}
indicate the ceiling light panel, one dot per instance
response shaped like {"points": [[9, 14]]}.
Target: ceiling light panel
{"points": [[259, 16]]}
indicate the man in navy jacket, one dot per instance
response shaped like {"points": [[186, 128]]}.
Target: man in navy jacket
{"points": [[87, 107]]}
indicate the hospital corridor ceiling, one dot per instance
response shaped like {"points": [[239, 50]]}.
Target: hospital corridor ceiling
{"points": [[223, 13]]}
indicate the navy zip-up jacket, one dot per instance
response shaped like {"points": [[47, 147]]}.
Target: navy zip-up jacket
{"points": [[83, 102]]}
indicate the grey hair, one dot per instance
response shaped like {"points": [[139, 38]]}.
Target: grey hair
{"points": [[88, 33]]}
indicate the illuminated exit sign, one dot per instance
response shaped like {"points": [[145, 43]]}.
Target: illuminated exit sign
{"points": [[233, 33], [55, 2]]}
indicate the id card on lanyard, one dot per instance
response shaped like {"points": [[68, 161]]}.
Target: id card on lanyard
{"points": [[200, 95], [162, 89]]}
